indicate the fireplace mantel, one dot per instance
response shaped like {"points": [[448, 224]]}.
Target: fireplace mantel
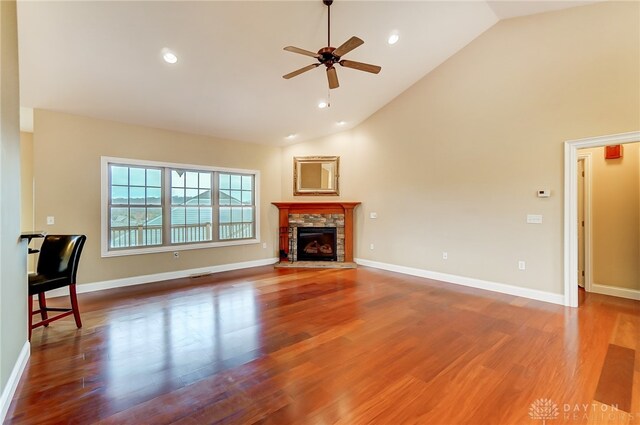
{"points": [[345, 208]]}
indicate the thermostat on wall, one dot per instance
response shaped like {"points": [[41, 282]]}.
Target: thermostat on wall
{"points": [[544, 193]]}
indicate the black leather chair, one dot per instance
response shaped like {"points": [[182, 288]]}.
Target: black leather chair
{"points": [[57, 267]]}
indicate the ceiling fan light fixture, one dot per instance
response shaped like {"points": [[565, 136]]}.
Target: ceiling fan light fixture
{"points": [[393, 38]]}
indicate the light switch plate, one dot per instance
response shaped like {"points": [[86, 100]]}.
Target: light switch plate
{"points": [[50, 220], [534, 218]]}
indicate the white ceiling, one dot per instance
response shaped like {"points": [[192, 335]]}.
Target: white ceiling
{"points": [[103, 59]]}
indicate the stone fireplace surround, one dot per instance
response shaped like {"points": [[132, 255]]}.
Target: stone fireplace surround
{"points": [[315, 220], [316, 214]]}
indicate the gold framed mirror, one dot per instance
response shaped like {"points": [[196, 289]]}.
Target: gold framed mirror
{"points": [[316, 175]]}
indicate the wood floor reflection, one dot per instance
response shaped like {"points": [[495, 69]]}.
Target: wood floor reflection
{"points": [[345, 346]]}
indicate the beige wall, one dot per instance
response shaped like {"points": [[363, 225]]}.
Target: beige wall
{"points": [[67, 151], [26, 181], [26, 189], [615, 217], [13, 253], [453, 163]]}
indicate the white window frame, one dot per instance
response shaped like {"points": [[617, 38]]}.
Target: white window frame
{"points": [[104, 208]]}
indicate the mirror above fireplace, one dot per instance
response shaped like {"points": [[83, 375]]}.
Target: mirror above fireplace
{"points": [[315, 175]]}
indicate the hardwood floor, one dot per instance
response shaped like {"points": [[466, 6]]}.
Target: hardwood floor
{"points": [[343, 346]]}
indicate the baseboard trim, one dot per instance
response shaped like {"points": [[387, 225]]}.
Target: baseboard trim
{"points": [[502, 288], [156, 277], [12, 383], [615, 291]]}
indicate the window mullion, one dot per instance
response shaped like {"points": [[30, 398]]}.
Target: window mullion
{"points": [[253, 206], [109, 208], [215, 206], [166, 206]]}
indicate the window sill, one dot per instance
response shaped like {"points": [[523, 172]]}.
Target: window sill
{"points": [[173, 248]]}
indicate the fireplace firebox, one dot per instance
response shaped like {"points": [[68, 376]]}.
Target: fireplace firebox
{"points": [[317, 244]]}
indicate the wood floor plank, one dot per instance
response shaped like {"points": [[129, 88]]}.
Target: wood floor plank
{"points": [[627, 332], [615, 385], [635, 397], [602, 414], [352, 346]]}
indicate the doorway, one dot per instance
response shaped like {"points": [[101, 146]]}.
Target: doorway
{"points": [[571, 207], [581, 224], [584, 220]]}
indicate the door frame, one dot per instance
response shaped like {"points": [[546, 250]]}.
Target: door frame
{"points": [[588, 253], [571, 205]]}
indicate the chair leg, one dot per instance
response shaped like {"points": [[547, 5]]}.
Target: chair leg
{"points": [[74, 305], [30, 315], [42, 303]]}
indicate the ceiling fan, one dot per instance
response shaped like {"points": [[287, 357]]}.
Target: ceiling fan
{"points": [[329, 56]]}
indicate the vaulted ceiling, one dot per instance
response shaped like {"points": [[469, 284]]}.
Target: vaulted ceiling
{"points": [[104, 60]]}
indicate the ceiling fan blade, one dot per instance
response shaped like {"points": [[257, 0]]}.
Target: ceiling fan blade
{"points": [[374, 69], [300, 71], [301, 51], [332, 76], [348, 46]]}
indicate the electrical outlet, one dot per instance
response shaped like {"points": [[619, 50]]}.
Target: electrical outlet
{"points": [[51, 220], [264, 245], [176, 255], [521, 265], [445, 255], [371, 246]]}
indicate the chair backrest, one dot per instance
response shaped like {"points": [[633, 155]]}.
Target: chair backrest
{"points": [[60, 255]]}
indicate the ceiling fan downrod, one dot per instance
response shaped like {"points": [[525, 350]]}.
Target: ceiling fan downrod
{"points": [[328, 3]]}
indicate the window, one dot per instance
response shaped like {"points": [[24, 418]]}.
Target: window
{"points": [[135, 207], [153, 207], [236, 206], [191, 206]]}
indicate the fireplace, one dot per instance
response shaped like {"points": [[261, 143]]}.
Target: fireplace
{"points": [[317, 244], [333, 251]]}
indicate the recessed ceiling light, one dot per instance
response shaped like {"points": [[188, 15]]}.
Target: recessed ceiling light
{"points": [[341, 123], [169, 56], [291, 136], [322, 105], [393, 38]]}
